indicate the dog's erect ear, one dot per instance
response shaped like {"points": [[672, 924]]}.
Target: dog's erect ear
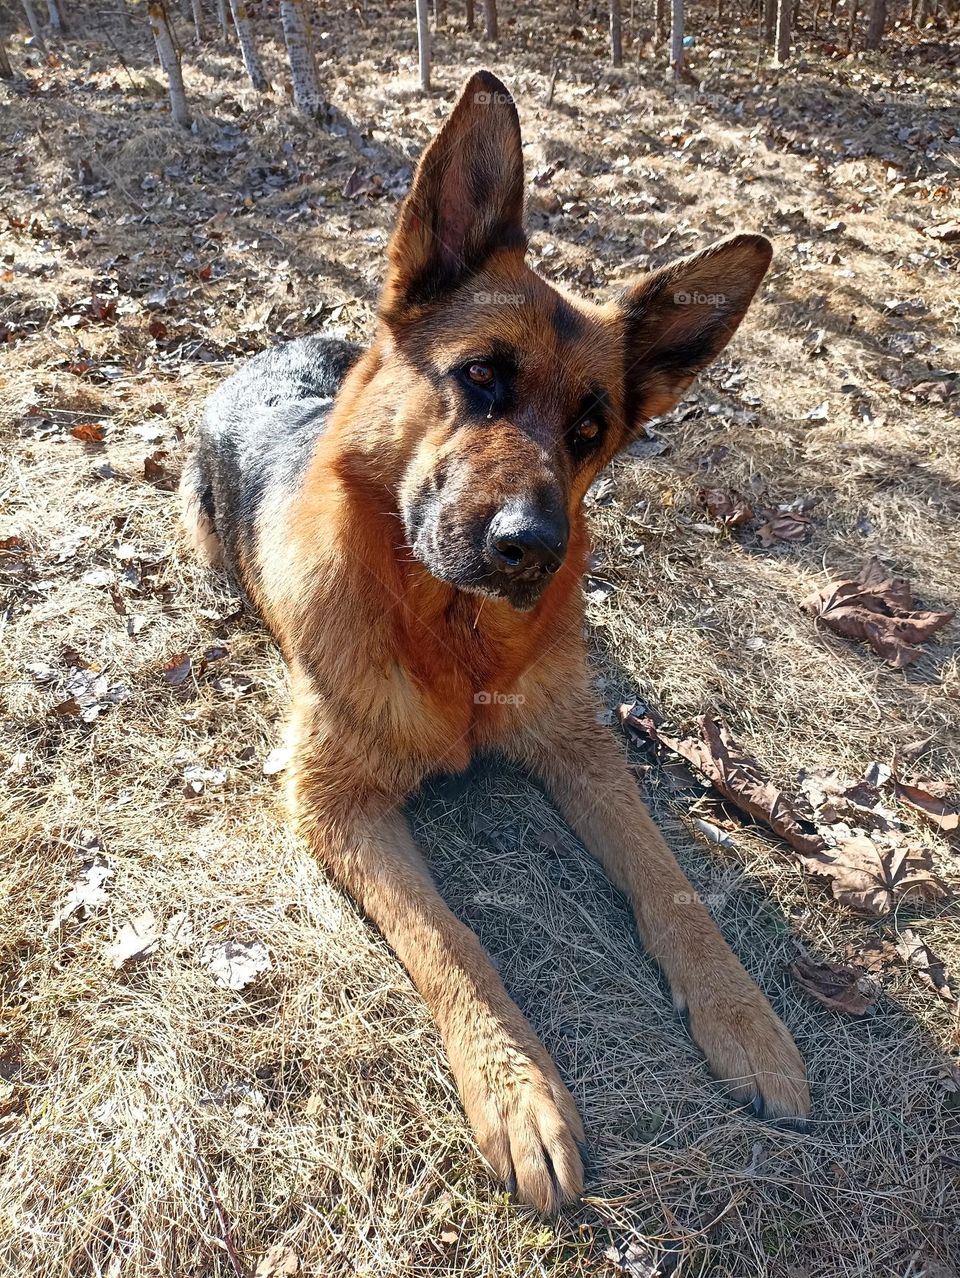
{"points": [[681, 317], [466, 200]]}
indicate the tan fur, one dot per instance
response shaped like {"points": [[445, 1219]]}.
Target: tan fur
{"points": [[393, 669]]}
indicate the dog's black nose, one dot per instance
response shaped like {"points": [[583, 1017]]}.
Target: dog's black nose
{"points": [[524, 539]]}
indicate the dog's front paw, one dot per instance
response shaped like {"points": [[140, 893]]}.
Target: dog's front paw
{"points": [[749, 1049], [525, 1122]]}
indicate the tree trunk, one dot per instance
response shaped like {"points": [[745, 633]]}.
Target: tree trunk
{"points": [[660, 21], [490, 19], [57, 24], [471, 19], [878, 18], [423, 45], [170, 61], [34, 24], [676, 38], [6, 70], [298, 36], [248, 48], [784, 14], [852, 26], [769, 20], [196, 8], [223, 16], [616, 34], [439, 13]]}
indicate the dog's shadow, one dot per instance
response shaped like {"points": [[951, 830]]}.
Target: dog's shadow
{"points": [[671, 1156]]}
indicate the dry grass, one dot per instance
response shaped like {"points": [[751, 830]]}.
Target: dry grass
{"points": [[147, 1115]]}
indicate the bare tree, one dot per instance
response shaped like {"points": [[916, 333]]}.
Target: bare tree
{"points": [[490, 19], [223, 17], [852, 26], [196, 8], [298, 36], [34, 25], [57, 24], [616, 34], [423, 45], [439, 13], [659, 21], [769, 20], [169, 56], [876, 23], [676, 38], [248, 46], [6, 70], [784, 17], [471, 20]]}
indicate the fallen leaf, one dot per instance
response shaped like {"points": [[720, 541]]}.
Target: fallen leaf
{"points": [[449, 1236], [157, 472], [877, 608], [136, 940], [819, 414], [929, 798], [88, 432], [739, 777], [873, 879], [235, 686], [948, 232], [234, 964], [783, 526], [88, 893], [177, 670], [278, 1262], [835, 985], [726, 505], [928, 966]]}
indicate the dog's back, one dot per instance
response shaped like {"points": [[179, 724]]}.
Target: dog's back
{"points": [[258, 431]]}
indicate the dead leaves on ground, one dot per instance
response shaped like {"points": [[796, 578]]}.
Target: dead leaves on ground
{"points": [[836, 985], [868, 862], [732, 509], [878, 608]]}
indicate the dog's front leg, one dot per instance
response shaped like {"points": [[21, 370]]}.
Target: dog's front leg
{"points": [[523, 1117], [745, 1043]]}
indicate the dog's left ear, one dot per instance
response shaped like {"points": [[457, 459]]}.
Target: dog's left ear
{"points": [[466, 200], [680, 318]]}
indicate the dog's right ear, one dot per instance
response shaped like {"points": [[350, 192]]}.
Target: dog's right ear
{"points": [[465, 203]]}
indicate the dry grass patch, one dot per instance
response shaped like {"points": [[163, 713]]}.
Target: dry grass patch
{"points": [[155, 1123]]}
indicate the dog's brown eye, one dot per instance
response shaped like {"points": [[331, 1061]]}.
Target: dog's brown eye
{"points": [[482, 374], [588, 429]]}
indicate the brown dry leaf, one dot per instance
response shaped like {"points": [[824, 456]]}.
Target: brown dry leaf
{"points": [[740, 778], [873, 879], [929, 798], [278, 1262], [88, 432], [157, 472], [785, 526], [835, 985], [726, 505], [177, 670], [878, 608], [927, 965]]}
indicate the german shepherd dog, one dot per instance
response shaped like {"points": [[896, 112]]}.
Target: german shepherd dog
{"points": [[408, 520]]}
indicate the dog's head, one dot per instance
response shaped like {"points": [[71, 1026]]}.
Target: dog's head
{"points": [[510, 396]]}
